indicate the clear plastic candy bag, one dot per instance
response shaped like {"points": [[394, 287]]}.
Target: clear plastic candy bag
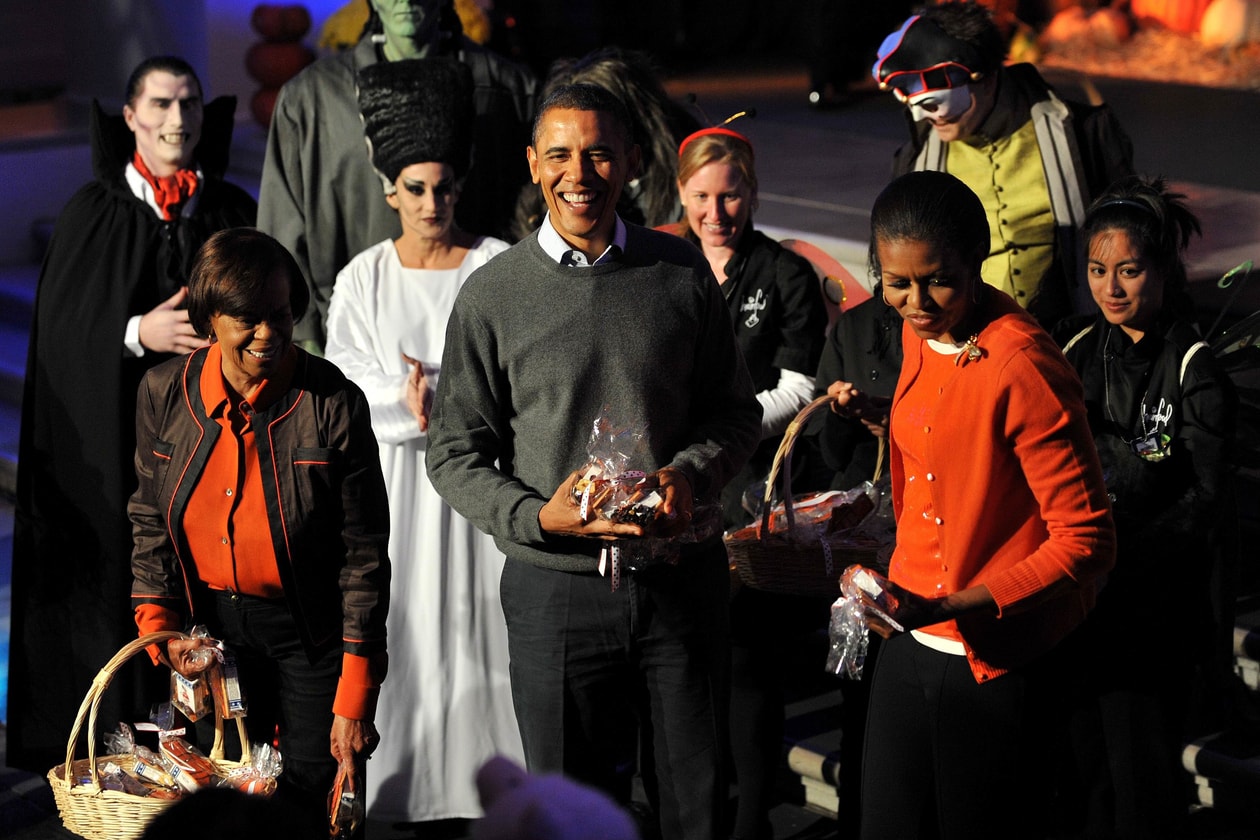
{"points": [[192, 697], [848, 633], [259, 777]]}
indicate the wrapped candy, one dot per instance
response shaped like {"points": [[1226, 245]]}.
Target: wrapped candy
{"points": [[259, 777], [848, 633], [139, 761], [193, 697], [345, 806]]}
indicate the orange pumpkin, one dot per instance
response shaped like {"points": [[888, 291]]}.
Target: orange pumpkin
{"points": [[1230, 23], [273, 64], [281, 23], [1177, 15]]}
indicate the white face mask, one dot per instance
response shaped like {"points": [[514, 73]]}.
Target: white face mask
{"points": [[946, 104]]}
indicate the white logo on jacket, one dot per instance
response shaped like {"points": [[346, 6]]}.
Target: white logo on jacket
{"points": [[753, 306]]}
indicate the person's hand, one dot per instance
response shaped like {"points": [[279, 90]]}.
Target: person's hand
{"points": [[179, 656], [859, 405], [419, 395], [352, 739], [676, 509], [913, 611], [166, 329], [909, 610], [563, 515]]}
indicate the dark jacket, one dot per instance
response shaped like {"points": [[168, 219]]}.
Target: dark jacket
{"points": [[326, 499], [1166, 393], [863, 347], [780, 322]]}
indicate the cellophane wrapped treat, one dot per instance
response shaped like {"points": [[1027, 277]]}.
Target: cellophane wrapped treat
{"points": [[141, 763], [849, 635], [225, 686], [260, 776], [345, 806], [610, 487], [849, 638], [613, 486], [193, 697], [191, 767]]}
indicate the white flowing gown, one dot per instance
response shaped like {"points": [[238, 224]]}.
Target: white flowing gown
{"points": [[446, 705]]}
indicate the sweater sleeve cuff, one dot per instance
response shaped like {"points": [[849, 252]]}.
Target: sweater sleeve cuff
{"points": [[357, 690]]}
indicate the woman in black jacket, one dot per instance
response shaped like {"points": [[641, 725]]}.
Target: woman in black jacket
{"points": [[261, 514], [1162, 412]]}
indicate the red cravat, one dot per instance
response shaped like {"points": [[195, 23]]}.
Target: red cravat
{"points": [[170, 191]]}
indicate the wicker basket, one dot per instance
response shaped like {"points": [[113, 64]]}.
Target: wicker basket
{"points": [[98, 814], [788, 562]]}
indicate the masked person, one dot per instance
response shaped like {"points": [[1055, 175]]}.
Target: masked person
{"points": [[320, 196], [1034, 159], [109, 306], [386, 327]]}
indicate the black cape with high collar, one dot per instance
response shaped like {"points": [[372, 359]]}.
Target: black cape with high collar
{"points": [[110, 258]]}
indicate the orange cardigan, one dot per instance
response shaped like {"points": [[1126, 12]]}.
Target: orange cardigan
{"points": [[1017, 488]]}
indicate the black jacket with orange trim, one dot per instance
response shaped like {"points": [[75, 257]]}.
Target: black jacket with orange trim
{"points": [[326, 501]]}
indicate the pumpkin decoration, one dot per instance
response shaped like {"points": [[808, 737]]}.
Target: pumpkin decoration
{"points": [[1231, 23], [1110, 26], [1178, 15], [272, 64], [280, 55], [280, 24], [1068, 26]]}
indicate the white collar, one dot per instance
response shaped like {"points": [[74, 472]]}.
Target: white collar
{"points": [[554, 246]]}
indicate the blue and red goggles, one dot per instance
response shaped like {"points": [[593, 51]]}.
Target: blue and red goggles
{"points": [[944, 76]]}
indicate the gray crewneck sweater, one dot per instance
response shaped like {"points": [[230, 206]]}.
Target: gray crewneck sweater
{"points": [[535, 350]]}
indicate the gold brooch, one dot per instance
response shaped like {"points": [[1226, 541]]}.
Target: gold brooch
{"points": [[970, 349]]}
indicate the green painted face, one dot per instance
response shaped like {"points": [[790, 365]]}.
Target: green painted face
{"points": [[411, 26]]}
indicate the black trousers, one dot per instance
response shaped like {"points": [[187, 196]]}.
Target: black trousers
{"points": [[286, 692], [594, 671], [948, 757]]}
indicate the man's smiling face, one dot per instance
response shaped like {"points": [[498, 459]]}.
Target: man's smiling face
{"points": [[581, 160], [166, 120]]}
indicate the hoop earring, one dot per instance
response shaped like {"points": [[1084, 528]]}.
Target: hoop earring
{"points": [[977, 294]]}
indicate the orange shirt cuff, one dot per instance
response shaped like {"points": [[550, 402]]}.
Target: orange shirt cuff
{"points": [[358, 688], [151, 618]]}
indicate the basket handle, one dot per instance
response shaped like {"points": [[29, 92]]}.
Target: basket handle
{"points": [[783, 462], [92, 702], [784, 455]]}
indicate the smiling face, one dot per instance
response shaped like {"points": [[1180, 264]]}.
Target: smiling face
{"points": [[718, 203], [166, 120], [931, 288], [581, 160], [1127, 289], [425, 199], [255, 343]]}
